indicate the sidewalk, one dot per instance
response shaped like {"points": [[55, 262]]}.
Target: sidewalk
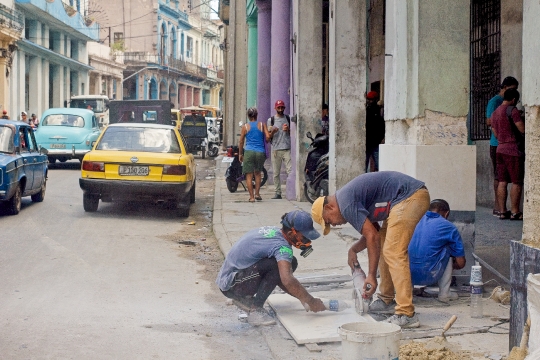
{"points": [[234, 215]]}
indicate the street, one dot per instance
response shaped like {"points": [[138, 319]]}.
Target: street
{"points": [[125, 282]]}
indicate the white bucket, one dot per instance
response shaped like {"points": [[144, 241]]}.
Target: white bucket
{"points": [[370, 341]]}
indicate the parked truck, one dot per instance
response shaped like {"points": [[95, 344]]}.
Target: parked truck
{"points": [[141, 111]]}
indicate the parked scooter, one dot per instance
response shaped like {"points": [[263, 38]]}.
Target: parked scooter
{"points": [[213, 142], [234, 176], [316, 170]]}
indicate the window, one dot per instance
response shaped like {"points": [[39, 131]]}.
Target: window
{"points": [[485, 62], [118, 36], [189, 50]]}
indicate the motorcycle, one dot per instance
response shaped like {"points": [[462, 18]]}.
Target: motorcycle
{"points": [[316, 169], [213, 142], [234, 176]]}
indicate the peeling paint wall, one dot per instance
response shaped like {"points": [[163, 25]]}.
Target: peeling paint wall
{"points": [[435, 128]]}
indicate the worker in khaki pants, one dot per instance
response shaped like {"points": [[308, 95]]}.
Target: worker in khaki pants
{"points": [[399, 201]]}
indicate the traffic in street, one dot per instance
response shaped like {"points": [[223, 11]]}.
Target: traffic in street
{"points": [[127, 281]]}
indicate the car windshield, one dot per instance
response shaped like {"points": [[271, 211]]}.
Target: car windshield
{"points": [[63, 120], [96, 105], [6, 139], [139, 139]]}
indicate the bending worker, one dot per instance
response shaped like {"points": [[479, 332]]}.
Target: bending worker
{"points": [[436, 249], [263, 259], [399, 201]]}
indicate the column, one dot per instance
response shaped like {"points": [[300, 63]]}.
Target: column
{"points": [[307, 59], [58, 86], [426, 118], [252, 63], [35, 77], [189, 96], [46, 95], [196, 97], [264, 50], [181, 96], [280, 59], [524, 255], [4, 87], [347, 79]]}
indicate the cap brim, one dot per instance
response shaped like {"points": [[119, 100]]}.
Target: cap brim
{"points": [[311, 234]]}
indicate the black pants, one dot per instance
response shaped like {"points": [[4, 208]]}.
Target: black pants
{"points": [[258, 280]]}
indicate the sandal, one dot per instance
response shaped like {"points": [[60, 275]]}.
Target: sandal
{"points": [[258, 197], [517, 216], [251, 200], [496, 213], [505, 215]]}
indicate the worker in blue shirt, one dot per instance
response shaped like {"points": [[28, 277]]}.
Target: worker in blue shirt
{"points": [[436, 249]]}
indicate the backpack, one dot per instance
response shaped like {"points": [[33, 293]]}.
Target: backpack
{"points": [[520, 138], [288, 120]]}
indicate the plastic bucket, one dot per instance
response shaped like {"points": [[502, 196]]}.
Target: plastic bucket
{"points": [[370, 341]]}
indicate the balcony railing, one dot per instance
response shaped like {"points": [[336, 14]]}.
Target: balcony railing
{"points": [[11, 18], [173, 63]]}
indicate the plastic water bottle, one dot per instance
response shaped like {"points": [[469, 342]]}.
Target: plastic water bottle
{"points": [[476, 302], [335, 305]]}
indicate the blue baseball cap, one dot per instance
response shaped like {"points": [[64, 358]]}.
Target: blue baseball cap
{"points": [[301, 221]]}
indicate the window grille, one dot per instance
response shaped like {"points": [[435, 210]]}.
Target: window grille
{"points": [[485, 63]]}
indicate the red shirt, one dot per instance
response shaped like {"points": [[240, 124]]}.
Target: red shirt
{"points": [[501, 124]]}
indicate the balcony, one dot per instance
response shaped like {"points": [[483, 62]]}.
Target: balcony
{"points": [[140, 57], [11, 18]]}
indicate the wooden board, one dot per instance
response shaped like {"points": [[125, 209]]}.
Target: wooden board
{"points": [[308, 327]]}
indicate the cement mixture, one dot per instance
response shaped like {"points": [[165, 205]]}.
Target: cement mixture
{"points": [[434, 349]]}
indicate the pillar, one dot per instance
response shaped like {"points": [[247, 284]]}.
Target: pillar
{"points": [[307, 79], [45, 99], [58, 86], [4, 86], [181, 96], [525, 254], [252, 63], [426, 118], [189, 96], [196, 96], [264, 49], [347, 79], [35, 77]]}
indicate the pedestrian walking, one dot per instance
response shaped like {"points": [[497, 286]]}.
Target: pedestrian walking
{"points": [[280, 138], [253, 135]]}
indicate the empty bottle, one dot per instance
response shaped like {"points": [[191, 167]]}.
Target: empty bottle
{"points": [[476, 302]]}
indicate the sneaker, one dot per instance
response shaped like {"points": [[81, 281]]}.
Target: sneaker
{"points": [[380, 307], [404, 321], [277, 196], [448, 297], [260, 317]]}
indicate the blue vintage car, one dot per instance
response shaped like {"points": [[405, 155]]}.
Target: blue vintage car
{"points": [[23, 165], [67, 133]]}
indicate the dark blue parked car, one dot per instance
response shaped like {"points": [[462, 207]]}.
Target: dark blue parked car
{"points": [[23, 166]]}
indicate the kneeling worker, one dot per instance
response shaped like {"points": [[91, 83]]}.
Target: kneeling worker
{"points": [[436, 249], [263, 259]]}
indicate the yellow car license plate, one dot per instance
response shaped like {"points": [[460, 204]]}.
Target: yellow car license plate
{"points": [[130, 170]]}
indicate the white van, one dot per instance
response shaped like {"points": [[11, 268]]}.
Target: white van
{"points": [[99, 104]]}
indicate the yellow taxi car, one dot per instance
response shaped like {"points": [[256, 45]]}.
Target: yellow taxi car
{"points": [[139, 162]]}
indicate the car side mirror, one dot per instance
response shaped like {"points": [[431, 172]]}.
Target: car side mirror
{"points": [[240, 123], [308, 134], [43, 151]]}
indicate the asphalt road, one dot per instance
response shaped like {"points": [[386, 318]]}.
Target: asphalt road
{"points": [[125, 282]]}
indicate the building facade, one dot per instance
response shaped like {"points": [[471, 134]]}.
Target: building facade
{"points": [[11, 30], [170, 49], [107, 70], [50, 63]]}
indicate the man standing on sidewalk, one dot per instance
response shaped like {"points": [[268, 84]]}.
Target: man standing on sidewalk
{"points": [[509, 129], [399, 201], [280, 138], [263, 259], [509, 82]]}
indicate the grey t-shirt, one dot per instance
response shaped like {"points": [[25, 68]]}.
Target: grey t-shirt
{"points": [[372, 196], [261, 243], [281, 139]]}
